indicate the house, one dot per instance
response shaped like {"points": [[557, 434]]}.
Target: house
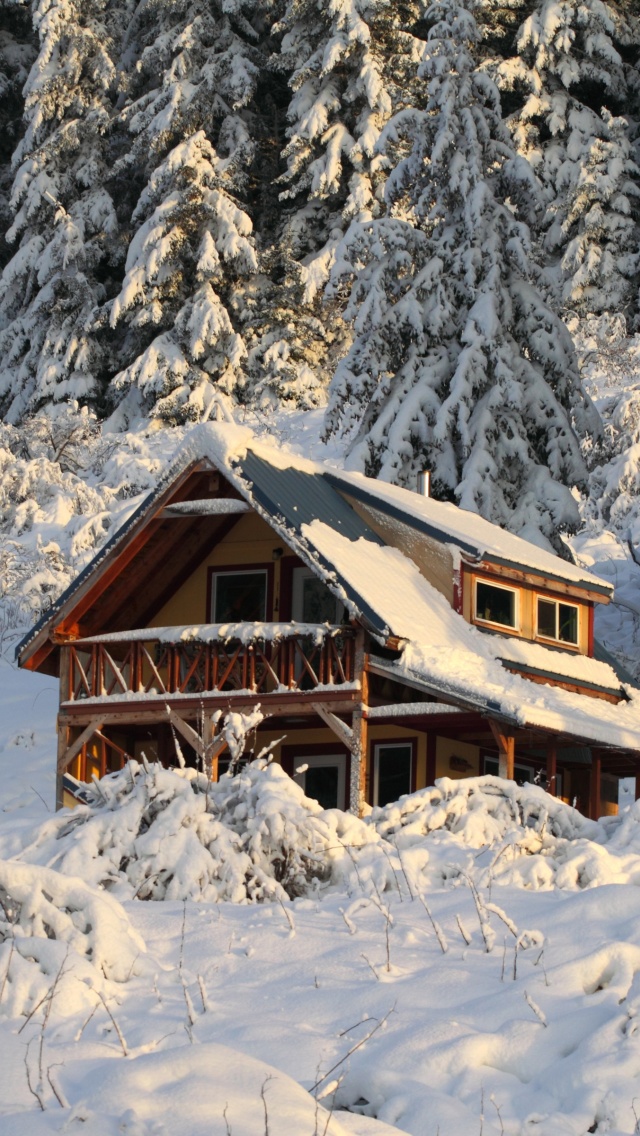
{"points": [[388, 638]]}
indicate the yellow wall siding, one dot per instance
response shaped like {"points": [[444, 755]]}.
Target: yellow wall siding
{"points": [[251, 541], [447, 748]]}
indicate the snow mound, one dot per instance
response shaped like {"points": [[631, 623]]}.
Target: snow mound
{"points": [[219, 1089], [156, 833], [59, 938]]}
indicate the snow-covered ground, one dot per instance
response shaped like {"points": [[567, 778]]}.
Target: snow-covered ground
{"points": [[192, 1017]]}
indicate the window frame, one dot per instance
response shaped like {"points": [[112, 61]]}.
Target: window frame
{"points": [[387, 743], [265, 569], [516, 628], [568, 643]]}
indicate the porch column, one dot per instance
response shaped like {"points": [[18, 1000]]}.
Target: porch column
{"points": [[636, 766], [552, 770], [64, 736], [506, 744], [596, 776], [360, 732]]}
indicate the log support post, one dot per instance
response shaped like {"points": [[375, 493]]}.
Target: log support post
{"points": [[506, 744], [552, 769], [637, 773], [360, 732]]}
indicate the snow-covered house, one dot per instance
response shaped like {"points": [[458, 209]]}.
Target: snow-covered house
{"points": [[388, 638]]}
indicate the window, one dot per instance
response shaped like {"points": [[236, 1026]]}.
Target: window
{"points": [[392, 770], [557, 621], [523, 774], [323, 778], [239, 597], [495, 604], [312, 602]]}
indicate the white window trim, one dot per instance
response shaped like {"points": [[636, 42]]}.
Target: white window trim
{"points": [[556, 639], [489, 622], [321, 761], [217, 572], [376, 762]]}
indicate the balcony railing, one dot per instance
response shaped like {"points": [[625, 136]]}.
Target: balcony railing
{"points": [[259, 659]]}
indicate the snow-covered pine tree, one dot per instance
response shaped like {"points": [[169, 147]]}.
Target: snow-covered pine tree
{"points": [[18, 50], [63, 215], [351, 64], [570, 84], [191, 250], [193, 242], [458, 365]]}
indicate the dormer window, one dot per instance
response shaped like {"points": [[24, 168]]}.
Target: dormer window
{"points": [[558, 621], [497, 605]]}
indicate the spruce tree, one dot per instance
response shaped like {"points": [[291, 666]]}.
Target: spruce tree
{"points": [[177, 318], [570, 85], [63, 217], [458, 364]]}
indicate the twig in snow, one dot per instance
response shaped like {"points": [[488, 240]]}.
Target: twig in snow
{"points": [[351, 927], [81, 1031], [439, 933], [34, 790], [6, 973], [463, 931], [37, 1092], [536, 1009], [371, 967], [393, 873], [497, 1108], [116, 1027], [47, 1013], [504, 959], [264, 1103], [378, 1026], [203, 995], [289, 918], [502, 915], [56, 1090], [224, 1117], [481, 1110], [487, 933], [355, 1025], [404, 871]]}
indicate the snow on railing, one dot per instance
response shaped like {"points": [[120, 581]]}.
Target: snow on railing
{"points": [[213, 658]]}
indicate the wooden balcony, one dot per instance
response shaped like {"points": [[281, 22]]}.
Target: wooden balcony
{"points": [[261, 659]]}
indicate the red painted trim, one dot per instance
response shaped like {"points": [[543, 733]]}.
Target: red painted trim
{"points": [[314, 749], [432, 739], [266, 566], [458, 589]]}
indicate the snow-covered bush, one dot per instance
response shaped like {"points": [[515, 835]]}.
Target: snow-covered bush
{"points": [[171, 834], [57, 930]]}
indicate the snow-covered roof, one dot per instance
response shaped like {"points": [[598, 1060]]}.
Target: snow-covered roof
{"points": [[478, 539], [384, 589]]}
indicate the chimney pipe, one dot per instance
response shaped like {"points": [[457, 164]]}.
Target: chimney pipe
{"points": [[424, 483]]}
